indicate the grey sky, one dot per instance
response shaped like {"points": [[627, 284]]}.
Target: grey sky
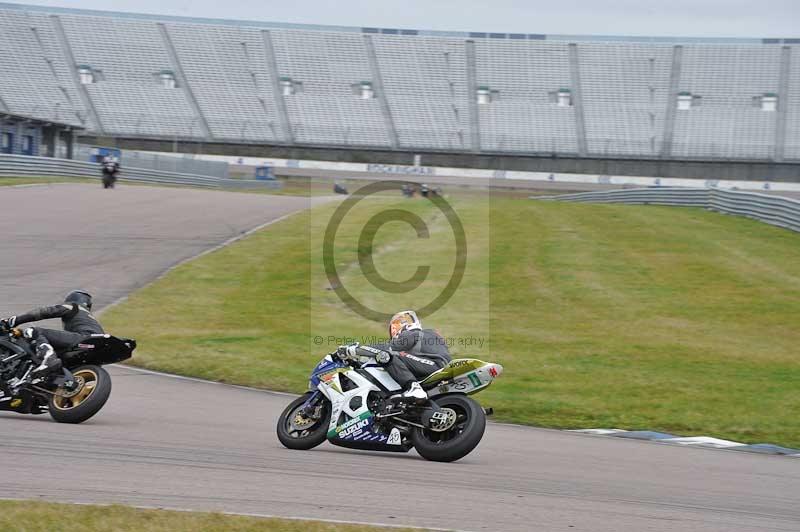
{"points": [[701, 18]]}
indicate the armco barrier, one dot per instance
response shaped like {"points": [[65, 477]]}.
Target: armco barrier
{"points": [[26, 166], [165, 162], [774, 210], [499, 177]]}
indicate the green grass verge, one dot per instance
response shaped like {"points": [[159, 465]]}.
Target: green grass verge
{"points": [[632, 317], [24, 516], [11, 181]]}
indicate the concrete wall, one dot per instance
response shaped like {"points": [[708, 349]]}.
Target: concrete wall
{"points": [[737, 170]]}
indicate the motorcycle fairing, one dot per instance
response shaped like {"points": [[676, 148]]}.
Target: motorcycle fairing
{"points": [[359, 428], [13, 357], [99, 349], [13, 348], [463, 375], [24, 403], [381, 376], [325, 371], [352, 427]]}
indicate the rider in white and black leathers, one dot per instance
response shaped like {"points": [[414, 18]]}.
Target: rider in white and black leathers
{"points": [[413, 353], [110, 165], [78, 322]]}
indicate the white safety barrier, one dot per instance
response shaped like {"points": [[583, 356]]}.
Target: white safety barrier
{"points": [[774, 210], [419, 173]]}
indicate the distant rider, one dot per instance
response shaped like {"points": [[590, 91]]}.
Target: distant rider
{"points": [[110, 166], [78, 322], [413, 353]]}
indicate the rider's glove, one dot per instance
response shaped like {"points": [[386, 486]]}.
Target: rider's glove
{"points": [[348, 352], [7, 324]]}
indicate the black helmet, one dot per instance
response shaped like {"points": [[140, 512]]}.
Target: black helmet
{"points": [[80, 297]]}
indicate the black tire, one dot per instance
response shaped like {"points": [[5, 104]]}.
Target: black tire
{"points": [[65, 410], [461, 439], [309, 437]]}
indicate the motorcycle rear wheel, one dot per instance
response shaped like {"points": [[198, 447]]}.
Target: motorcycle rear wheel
{"points": [[458, 441], [80, 405], [295, 431]]}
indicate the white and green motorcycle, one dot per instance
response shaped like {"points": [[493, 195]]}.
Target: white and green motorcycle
{"points": [[349, 404]]}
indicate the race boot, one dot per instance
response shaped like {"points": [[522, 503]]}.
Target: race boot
{"points": [[16, 384], [50, 362], [413, 394]]}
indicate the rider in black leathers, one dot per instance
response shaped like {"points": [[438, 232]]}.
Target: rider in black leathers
{"points": [[78, 322], [110, 168], [412, 353]]}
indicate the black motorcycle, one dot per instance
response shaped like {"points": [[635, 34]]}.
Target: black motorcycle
{"points": [[72, 394], [110, 172]]}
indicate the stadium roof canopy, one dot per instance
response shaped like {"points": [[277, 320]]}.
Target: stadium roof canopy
{"points": [[398, 31], [14, 117]]}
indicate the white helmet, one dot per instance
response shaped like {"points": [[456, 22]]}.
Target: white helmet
{"points": [[405, 320]]}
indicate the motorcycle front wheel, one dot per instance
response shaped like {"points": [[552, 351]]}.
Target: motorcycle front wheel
{"points": [[460, 438], [296, 431], [91, 394]]}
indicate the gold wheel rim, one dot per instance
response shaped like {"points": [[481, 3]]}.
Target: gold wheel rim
{"points": [[301, 422], [90, 380]]}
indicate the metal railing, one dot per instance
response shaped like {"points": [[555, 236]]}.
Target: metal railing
{"points": [[774, 210], [27, 166], [167, 162]]}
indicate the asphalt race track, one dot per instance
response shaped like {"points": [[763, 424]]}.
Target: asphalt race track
{"points": [[168, 442], [110, 242]]}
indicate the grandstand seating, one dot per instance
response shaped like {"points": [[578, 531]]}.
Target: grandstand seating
{"points": [[228, 86], [522, 118], [625, 89], [225, 70], [425, 83], [35, 79], [328, 111], [726, 123], [792, 142], [129, 55]]}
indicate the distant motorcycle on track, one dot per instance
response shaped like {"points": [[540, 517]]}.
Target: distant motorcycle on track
{"points": [[110, 172], [72, 395], [350, 405]]}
